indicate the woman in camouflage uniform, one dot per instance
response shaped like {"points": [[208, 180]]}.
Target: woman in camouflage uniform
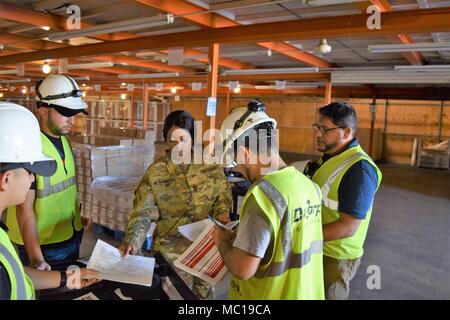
{"points": [[176, 194]]}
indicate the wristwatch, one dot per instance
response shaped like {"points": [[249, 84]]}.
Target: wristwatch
{"points": [[63, 279]]}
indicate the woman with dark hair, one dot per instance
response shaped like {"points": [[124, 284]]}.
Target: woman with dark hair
{"points": [[174, 192]]}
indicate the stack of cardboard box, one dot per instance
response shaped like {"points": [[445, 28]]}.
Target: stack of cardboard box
{"points": [[127, 160]]}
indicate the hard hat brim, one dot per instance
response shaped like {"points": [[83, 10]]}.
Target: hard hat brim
{"points": [[69, 112], [45, 166]]}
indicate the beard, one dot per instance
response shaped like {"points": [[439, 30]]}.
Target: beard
{"points": [[54, 129], [324, 147]]}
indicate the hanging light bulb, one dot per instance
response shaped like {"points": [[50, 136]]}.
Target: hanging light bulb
{"points": [[46, 68], [1, 94], [83, 94], [123, 96], [24, 90], [173, 90], [323, 46], [237, 90], [269, 52]]}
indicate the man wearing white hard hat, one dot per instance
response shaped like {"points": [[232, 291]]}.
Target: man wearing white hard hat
{"points": [[20, 158], [47, 227], [276, 252]]}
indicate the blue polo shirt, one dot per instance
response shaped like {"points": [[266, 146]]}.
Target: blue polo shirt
{"points": [[358, 186]]}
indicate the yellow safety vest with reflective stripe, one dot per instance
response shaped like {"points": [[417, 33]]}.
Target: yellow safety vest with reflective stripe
{"points": [[55, 205], [328, 177], [21, 286], [293, 269]]}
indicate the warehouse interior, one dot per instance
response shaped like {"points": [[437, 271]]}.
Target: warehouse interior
{"points": [[138, 60]]}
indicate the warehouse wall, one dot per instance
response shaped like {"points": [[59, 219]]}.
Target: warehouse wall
{"points": [[397, 122]]}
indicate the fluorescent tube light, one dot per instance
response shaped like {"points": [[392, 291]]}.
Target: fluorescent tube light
{"points": [[433, 68], [270, 71], [15, 81], [127, 25], [407, 47], [149, 75]]}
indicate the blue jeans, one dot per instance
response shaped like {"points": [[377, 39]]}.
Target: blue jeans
{"points": [[67, 251]]}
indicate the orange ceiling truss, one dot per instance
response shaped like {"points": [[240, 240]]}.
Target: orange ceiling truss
{"points": [[27, 16], [394, 22], [413, 57], [212, 20]]}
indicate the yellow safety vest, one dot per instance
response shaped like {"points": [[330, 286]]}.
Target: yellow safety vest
{"points": [[328, 177], [55, 205], [21, 286], [294, 269]]}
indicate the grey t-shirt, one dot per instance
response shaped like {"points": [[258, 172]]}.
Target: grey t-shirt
{"points": [[254, 233]]}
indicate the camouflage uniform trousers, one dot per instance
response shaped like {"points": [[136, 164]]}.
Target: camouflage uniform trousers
{"points": [[172, 249]]}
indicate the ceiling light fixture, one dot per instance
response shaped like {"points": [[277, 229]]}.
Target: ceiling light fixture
{"points": [[270, 71], [149, 75], [46, 68], [425, 68], [126, 25], [408, 47], [323, 46]]}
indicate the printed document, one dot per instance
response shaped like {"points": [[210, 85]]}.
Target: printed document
{"points": [[111, 266]]}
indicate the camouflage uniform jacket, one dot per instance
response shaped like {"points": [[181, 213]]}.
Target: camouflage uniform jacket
{"points": [[172, 198]]}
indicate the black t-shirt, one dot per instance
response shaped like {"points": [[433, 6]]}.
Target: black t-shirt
{"points": [[5, 282], [57, 142]]}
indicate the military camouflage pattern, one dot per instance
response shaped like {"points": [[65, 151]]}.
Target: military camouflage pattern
{"points": [[171, 197]]}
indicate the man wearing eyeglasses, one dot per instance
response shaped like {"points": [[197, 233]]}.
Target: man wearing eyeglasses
{"points": [[47, 227], [349, 179]]}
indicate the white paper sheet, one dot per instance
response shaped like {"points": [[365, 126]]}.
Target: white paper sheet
{"points": [[87, 296], [202, 258], [107, 261], [193, 230]]}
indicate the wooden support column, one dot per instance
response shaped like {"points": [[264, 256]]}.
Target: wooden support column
{"points": [[213, 56], [441, 112], [328, 92], [145, 105]]}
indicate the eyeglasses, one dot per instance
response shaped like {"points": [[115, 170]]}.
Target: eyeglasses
{"points": [[324, 130]]}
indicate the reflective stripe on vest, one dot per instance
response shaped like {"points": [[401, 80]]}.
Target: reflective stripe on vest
{"points": [[292, 259], [20, 281], [56, 188], [330, 203]]}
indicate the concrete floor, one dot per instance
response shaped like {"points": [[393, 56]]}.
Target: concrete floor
{"points": [[408, 238]]}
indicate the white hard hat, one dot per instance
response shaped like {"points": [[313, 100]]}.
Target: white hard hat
{"points": [[20, 141], [62, 93], [239, 121]]}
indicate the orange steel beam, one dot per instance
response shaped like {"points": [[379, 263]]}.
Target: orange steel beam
{"points": [[413, 57], [57, 22], [25, 15], [212, 20], [144, 63], [145, 106], [26, 43], [328, 93], [213, 77], [293, 52], [424, 20]]}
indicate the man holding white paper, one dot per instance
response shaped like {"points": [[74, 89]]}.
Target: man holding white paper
{"points": [[277, 252]]}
